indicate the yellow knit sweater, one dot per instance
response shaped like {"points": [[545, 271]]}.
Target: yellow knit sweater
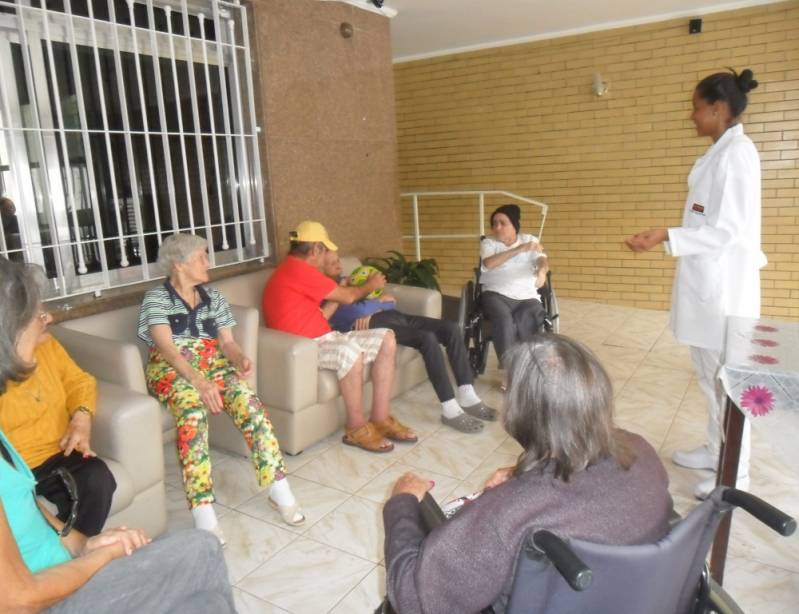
{"points": [[34, 414]]}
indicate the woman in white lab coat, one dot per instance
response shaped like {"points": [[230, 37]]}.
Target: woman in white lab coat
{"points": [[718, 250]]}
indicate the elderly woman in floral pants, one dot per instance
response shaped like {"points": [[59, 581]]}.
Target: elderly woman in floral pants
{"points": [[196, 366]]}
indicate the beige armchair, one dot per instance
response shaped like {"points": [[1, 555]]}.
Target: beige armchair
{"points": [[106, 346], [127, 435]]}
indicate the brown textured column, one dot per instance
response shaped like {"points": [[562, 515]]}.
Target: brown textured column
{"points": [[326, 106]]}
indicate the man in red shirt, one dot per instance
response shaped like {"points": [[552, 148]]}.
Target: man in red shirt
{"points": [[291, 303]]}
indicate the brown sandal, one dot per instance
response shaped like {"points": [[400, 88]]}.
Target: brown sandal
{"points": [[368, 438], [393, 429]]}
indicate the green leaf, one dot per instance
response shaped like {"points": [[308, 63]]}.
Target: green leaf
{"points": [[399, 270]]}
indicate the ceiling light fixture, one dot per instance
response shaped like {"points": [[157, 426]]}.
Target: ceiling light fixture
{"points": [[375, 6]]}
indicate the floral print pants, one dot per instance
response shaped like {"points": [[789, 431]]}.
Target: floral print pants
{"points": [[191, 416]]}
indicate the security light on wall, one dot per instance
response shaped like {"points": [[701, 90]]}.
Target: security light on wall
{"points": [[599, 87]]}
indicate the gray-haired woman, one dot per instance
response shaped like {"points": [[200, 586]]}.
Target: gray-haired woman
{"points": [[196, 366], [44, 565], [577, 476]]}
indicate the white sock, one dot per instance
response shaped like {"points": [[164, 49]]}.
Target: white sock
{"points": [[467, 396], [451, 409], [204, 517], [280, 492]]}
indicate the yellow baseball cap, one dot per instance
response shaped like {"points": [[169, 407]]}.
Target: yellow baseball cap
{"points": [[312, 232]]}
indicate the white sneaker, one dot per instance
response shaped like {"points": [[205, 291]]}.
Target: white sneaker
{"points": [[705, 487], [698, 458]]}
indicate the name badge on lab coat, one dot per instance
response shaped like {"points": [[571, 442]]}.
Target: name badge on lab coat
{"points": [[697, 208]]}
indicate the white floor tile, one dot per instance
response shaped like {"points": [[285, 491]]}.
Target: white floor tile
{"points": [[307, 577], [333, 563]]}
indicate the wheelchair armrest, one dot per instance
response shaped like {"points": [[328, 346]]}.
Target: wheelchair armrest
{"points": [[574, 571], [766, 513]]}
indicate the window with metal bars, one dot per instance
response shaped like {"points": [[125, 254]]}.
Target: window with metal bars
{"points": [[122, 122]]}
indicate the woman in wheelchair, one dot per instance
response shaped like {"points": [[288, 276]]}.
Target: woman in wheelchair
{"points": [[576, 476], [513, 266]]}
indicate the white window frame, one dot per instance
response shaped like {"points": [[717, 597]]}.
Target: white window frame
{"points": [[60, 194]]}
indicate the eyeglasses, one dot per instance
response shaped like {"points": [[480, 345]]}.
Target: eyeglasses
{"points": [[72, 491]]}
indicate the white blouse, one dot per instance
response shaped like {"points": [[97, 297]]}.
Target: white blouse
{"points": [[514, 278]]}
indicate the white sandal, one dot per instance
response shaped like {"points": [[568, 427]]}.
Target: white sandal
{"points": [[292, 514]]}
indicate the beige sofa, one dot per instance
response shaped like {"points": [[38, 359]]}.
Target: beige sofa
{"points": [[304, 403], [127, 435]]}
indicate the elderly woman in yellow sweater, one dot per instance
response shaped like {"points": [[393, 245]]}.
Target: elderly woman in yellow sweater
{"points": [[48, 419]]}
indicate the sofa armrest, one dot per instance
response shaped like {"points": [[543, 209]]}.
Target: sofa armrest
{"points": [[288, 370], [127, 429], [246, 335], [110, 360], [416, 301]]}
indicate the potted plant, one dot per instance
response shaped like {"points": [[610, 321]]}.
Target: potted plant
{"points": [[399, 270]]}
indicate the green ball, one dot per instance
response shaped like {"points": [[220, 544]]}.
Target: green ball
{"points": [[359, 276]]}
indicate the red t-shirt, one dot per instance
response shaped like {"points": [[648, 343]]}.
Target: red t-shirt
{"points": [[292, 297]]}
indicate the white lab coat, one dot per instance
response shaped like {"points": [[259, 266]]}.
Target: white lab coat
{"points": [[718, 244]]}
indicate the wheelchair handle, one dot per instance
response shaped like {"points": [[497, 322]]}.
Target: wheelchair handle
{"points": [[574, 571], [766, 513]]}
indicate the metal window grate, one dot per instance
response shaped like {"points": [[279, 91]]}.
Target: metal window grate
{"points": [[122, 122]]}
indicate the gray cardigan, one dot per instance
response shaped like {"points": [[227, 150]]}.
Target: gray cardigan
{"points": [[467, 563]]}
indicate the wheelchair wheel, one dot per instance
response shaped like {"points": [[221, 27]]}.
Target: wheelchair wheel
{"points": [[552, 323], [469, 321], [550, 302], [478, 347], [720, 601], [465, 306]]}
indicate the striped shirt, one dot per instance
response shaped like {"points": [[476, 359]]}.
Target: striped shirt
{"points": [[163, 305]]}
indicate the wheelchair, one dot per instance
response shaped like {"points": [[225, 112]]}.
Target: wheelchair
{"points": [[571, 576], [476, 327]]}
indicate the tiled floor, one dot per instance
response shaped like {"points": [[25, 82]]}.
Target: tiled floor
{"points": [[334, 564]]}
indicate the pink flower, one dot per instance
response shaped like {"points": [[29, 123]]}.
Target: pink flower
{"points": [[758, 400], [765, 329], [765, 342], [763, 359]]}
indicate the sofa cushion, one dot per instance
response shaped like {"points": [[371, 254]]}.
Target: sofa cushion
{"points": [[123, 495], [327, 386], [167, 424], [405, 355]]}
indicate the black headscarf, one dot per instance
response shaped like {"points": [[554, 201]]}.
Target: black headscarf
{"points": [[513, 213]]}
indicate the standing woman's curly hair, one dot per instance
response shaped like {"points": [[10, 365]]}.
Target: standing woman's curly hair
{"points": [[20, 292], [560, 407], [729, 87]]}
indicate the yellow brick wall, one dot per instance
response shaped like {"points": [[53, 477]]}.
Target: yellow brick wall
{"points": [[523, 118]]}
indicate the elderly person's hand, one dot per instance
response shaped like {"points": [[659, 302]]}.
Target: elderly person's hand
{"points": [[210, 394], [412, 484], [128, 540], [500, 476], [243, 366], [78, 435], [375, 281]]}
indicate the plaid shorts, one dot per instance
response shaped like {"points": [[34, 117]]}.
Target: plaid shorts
{"points": [[339, 351]]}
